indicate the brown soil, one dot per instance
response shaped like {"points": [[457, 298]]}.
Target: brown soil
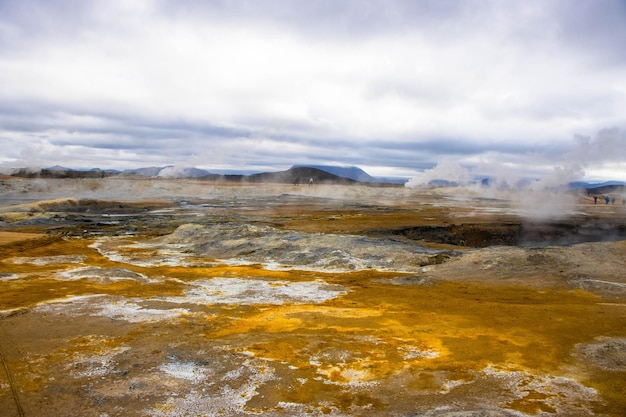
{"points": [[10, 237]]}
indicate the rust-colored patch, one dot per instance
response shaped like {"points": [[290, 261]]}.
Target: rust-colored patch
{"points": [[10, 237]]}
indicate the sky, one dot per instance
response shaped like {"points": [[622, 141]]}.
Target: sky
{"points": [[397, 87]]}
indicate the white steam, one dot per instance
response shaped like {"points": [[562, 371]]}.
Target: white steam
{"points": [[174, 172], [536, 184], [533, 171], [447, 170]]}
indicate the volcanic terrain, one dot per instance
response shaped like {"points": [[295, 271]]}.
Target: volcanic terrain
{"points": [[179, 297]]}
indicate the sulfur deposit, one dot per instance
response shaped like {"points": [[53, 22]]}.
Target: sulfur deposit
{"points": [[187, 298]]}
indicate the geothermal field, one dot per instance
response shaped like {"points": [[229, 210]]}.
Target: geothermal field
{"points": [[166, 297]]}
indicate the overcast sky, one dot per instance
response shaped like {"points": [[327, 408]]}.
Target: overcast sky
{"points": [[394, 87]]}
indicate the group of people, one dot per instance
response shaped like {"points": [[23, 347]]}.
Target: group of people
{"points": [[607, 200]]}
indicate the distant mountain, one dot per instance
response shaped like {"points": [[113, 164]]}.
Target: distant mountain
{"points": [[299, 175], [143, 172], [587, 185], [58, 168], [398, 181], [296, 174], [608, 189], [238, 172], [603, 188], [182, 172], [110, 171], [56, 172], [353, 173]]}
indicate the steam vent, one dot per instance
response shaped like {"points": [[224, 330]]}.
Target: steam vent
{"points": [[179, 297]]}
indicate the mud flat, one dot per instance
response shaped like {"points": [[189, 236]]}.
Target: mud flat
{"points": [[186, 298], [10, 237]]}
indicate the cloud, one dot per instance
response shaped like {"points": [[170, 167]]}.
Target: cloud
{"points": [[396, 84], [552, 170]]}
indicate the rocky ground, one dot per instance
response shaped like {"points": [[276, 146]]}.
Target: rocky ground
{"points": [[155, 297]]}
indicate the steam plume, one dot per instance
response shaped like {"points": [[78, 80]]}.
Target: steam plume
{"points": [[542, 198]]}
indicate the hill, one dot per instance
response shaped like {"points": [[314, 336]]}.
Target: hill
{"points": [[299, 175], [353, 173], [608, 189], [589, 185], [603, 188]]}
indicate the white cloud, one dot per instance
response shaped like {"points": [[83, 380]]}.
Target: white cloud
{"points": [[166, 81]]}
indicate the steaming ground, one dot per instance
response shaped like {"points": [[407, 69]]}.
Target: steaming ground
{"points": [[182, 298]]}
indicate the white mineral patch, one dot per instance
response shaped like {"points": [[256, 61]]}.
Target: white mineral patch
{"points": [[97, 362], [566, 395], [134, 313], [147, 255], [103, 274], [78, 299], [8, 277], [10, 312], [100, 305], [236, 244], [326, 409], [189, 371], [257, 291], [412, 352], [348, 376], [449, 385], [49, 260], [107, 247], [231, 399], [342, 261]]}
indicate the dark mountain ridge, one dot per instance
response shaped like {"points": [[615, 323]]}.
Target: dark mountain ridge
{"points": [[594, 185], [353, 173], [300, 175], [297, 174], [607, 189]]}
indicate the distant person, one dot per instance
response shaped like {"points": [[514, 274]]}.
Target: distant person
{"points": [[310, 181], [595, 199], [607, 199]]}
